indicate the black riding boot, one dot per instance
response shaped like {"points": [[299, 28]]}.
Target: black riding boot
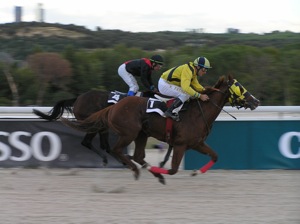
{"points": [[169, 113]]}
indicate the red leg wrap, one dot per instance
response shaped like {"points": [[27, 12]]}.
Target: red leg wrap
{"points": [[156, 169], [207, 166]]}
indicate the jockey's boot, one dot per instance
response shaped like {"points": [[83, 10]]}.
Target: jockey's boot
{"points": [[168, 113], [130, 93]]}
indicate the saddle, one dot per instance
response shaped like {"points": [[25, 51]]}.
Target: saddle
{"points": [[159, 104]]}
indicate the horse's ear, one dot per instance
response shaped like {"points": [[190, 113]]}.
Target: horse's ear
{"points": [[219, 82]]}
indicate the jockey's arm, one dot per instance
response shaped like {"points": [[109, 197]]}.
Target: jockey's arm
{"points": [[186, 86]]}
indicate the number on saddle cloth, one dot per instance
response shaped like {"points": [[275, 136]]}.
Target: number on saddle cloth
{"points": [[156, 106], [115, 96]]}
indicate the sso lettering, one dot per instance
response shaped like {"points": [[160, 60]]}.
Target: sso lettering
{"points": [[34, 149], [285, 145]]}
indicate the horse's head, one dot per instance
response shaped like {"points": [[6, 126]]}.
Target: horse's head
{"points": [[239, 96]]}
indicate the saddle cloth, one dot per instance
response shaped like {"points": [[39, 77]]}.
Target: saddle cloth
{"points": [[158, 106], [116, 96]]}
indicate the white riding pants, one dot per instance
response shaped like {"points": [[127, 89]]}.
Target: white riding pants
{"points": [[128, 78], [172, 90]]}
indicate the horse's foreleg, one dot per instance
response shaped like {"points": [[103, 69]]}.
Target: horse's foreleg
{"points": [[167, 156], [205, 149], [87, 142], [178, 153]]}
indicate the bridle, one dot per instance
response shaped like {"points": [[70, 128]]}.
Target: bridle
{"points": [[237, 97], [238, 94]]}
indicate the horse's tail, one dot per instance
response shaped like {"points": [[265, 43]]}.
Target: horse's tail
{"points": [[58, 110], [96, 122]]}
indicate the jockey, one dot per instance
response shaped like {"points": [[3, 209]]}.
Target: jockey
{"points": [[140, 67], [181, 82]]}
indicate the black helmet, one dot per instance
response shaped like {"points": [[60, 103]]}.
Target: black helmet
{"points": [[157, 59]]}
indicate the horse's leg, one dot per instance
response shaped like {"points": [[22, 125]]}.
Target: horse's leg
{"points": [[139, 154], [104, 143], [139, 151], [117, 150], [167, 156], [87, 142], [178, 153], [205, 149]]}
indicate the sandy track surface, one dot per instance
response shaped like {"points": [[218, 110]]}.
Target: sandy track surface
{"points": [[92, 196]]}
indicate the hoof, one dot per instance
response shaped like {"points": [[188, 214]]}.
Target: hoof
{"points": [[162, 180], [162, 164], [194, 173], [105, 162], [136, 174]]}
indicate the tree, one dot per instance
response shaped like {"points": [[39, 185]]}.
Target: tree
{"points": [[6, 61], [51, 71]]}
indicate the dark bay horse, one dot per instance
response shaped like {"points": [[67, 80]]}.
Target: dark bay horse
{"points": [[82, 107], [129, 120]]}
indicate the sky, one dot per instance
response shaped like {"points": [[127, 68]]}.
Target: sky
{"points": [[209, 16]]}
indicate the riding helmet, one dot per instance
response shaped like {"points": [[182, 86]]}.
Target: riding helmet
{"points": [[157, 59], [202, 62]]}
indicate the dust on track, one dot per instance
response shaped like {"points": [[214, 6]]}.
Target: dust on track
{"points": [[92, 196]]}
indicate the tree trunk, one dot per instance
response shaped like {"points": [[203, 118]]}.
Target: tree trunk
{"points": [[41, 92], [13, 87]]}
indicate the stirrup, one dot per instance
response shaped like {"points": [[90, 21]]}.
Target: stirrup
{"points": [[173, 116]]}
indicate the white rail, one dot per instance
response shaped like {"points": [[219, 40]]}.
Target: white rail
{"points": [[261, 113]]}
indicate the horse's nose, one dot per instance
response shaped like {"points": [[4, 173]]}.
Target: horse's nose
{"points": [[255, 104]]}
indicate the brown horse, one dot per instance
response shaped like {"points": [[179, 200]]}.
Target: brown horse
{"points": [[129, 120], [82, 107]]}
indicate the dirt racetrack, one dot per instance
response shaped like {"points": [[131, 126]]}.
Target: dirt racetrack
{"points": [[92, 196]]}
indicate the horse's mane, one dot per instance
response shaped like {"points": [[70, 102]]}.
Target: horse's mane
{"points": [[211, 89]]}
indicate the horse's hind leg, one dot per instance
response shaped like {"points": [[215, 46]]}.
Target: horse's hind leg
{"points": [[122, 142], [87, 142], [139, 155], [104, 142], [139, 151]]}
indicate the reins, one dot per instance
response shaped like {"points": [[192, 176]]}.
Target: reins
{"points": [[215, 106], [208, 129], [222, 109]]}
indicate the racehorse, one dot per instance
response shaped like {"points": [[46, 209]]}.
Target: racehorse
{"points": [[82, 107], [129, 120]]}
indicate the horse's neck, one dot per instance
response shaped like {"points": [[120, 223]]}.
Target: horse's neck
{"points": [[211, 109]]}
